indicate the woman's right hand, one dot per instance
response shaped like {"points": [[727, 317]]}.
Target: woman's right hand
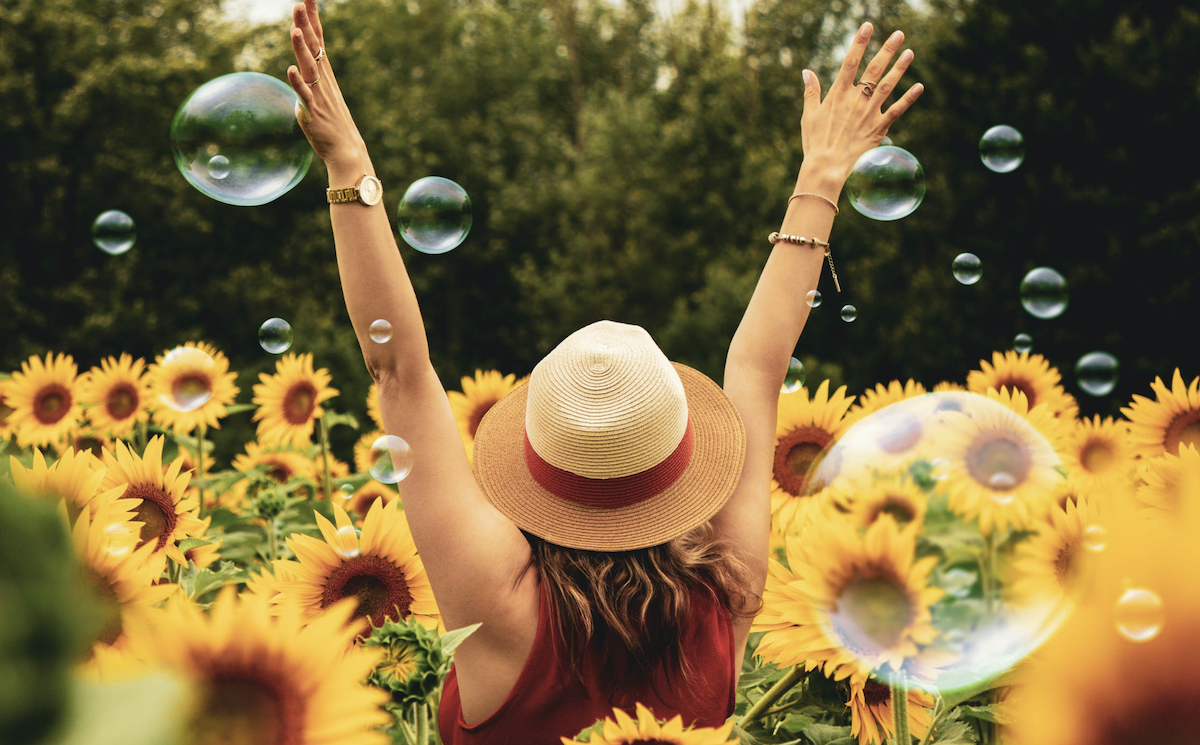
{"points": [[323, 116], [837, 131]]}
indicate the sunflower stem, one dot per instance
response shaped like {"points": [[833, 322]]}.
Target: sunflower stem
{"points": [[934, 718], [986, 568], [422, 724], [141, 437], [200, 465], [325, 457], [900, 709], [773, 694]]}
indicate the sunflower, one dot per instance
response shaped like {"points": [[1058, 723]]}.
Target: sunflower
{"points": [[190, 466], [1052, 566], [874, 399], [871, 716], [361, 500], [479, 394], [805, 429], [373, 409], [1028, 373], [281, 466], [380, 568], [894, 494], [44, 397], [364, 452], [999, 469], [84, 438], [75, 478], [623, 729], [1097, 453], [116, 393], [260, 678], [850, 603], [207, 373], [1163, 479], [947, 385], [166, 514], [289, 401], [337, 470], [1168, 422], [121, 577], [6, 411]]}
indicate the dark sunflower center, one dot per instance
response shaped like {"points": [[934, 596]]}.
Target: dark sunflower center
{"points": [[108, 605], [379, 586], [795, 456], [299, 402], [94, 445], [1097, 456], [876, 694], [121, 402], [998, 461], [191, 391], [871, 615], [1184, 430], [1022, 384], [241, 708], [900, 510], [476, 415], [902, 433], [278, 471], [1065, 569], [156, 513], [51, 403]]}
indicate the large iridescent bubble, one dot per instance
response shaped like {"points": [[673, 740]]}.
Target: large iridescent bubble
{"points": [[236, 139], [887, 183]]}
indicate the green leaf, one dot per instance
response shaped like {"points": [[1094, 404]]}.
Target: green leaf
{"points": [[142, 711], [795, 723], [825, 734], [207, 580], [954, 698], [336, 419], [240, 408], [757, 676], [991, 713], [844, 741], [745, 737], [952, 731], [189, 543], [451, 639]]}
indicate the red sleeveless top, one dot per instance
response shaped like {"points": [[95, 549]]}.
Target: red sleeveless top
{"points": [[543, 706]]}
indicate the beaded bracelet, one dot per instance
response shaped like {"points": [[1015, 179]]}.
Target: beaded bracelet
{"points": [[815, 243]]}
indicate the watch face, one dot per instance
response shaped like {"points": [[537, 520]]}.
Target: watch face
{"points": [[370, 191]]}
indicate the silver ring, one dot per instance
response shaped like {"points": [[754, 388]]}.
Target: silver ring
{"points": [[868, 88], [320, 56]]}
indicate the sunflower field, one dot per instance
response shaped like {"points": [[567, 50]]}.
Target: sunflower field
{"points": [[279, 597]]}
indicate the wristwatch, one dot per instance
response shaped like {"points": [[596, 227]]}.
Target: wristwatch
{"points": [[368, 190]]}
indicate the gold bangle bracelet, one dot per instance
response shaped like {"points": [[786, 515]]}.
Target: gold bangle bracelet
{"points": [[827, 200]]}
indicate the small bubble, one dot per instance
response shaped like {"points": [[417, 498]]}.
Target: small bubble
{"points": [[967, 268], [346, 542], [795, 377], [1139, 614], [958, 582], [1002, 149], [849, 313], [113, 232], [391, 459], [275, 335], [1096, 373], [191, 379], [434, 215], [886, 141], [380, 331], [1095, 538], [347, 490], [1023, 343], [218, 167], [813, 298], [1044, 293]]}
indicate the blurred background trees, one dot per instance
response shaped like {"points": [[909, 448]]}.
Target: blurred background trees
{"points": [[622, 165]]}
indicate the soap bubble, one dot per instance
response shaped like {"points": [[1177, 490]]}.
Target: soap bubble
{"points": [[275, 335], [113, 232], [380, 331], [247, 120], [1139, 614], [813, 298], [931, 467], [1002, 148], [1022, 343], [391, 459], [434, 215], [967, 268], [849, 313], [1095, 538], [1044, 293], [795, 377], [1096, 373], [887, 183], [345, 542], [886, 141], [191, 379]]}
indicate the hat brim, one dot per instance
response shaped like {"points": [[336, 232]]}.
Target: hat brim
{"points": [[705, 486]]}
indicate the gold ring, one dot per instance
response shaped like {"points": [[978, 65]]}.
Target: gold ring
{"points": [[320, 56], [313, 82], [868, 89]]}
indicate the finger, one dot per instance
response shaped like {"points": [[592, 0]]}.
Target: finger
{"points": [[315, 19], [812, 92], [883, 58], [300, 21], [854, 55], [297, 82], [304, 60], [896, 110], [892, 79]]}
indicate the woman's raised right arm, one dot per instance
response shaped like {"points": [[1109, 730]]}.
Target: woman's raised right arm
{"points": [[470, 550]]}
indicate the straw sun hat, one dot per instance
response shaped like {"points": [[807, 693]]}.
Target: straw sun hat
{"points": [[610, 446]]}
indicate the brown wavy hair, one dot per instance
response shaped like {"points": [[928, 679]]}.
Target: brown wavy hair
{"points": [[635, 604]]}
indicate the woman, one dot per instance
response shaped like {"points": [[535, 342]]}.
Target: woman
{"points": [[613, 540]]}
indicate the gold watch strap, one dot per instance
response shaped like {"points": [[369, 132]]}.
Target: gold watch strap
{"points": [[341, 196]]}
